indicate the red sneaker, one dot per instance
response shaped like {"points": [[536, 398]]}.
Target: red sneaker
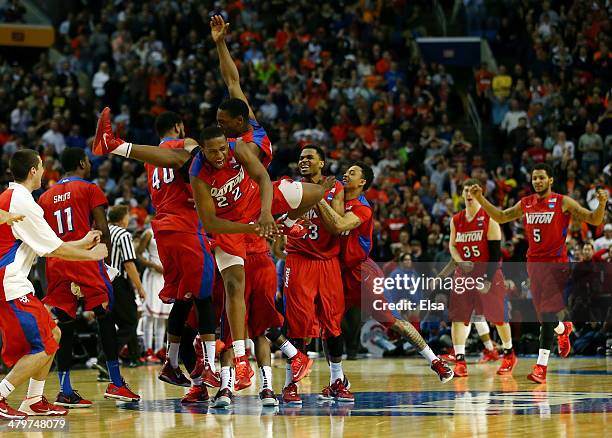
{"points": [[210, 379], [244, 372], [123, 393], [197, 369], [41, 406], [105, 141], [300, 365], [196, 394], [150, 357], [449, 357], [291, 395], [339, 392], [489, 356], [173, 376], [73, 401], [564, 341], [460, 369], [442, 369], [538, 375], [161, 354], [197, 344], [507, 365], [8, 413]]}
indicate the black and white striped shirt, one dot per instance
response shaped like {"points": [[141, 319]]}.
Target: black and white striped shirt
{"points": [[122, 248]]}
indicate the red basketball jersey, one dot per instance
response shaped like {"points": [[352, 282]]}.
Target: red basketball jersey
{"points": [[258, 136], [171, 196], [235, 194], [68, 207], [318, 243], [356, 244], [471, 238], [545, 226]]}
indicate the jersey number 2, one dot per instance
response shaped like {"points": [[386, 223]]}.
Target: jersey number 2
{"points": [[60, 220], [168, 177]]}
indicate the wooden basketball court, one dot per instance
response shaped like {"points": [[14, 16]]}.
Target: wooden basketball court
{"points": [[394, 397]]}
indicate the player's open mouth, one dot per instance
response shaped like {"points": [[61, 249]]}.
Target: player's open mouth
{"points": [[219, 162], [304, 167]]}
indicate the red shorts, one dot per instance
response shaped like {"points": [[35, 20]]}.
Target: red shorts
{"points": [[492, 304], [259, 294], [314, 297], [94, 286], [25, 326], [358, 282], [235, 244], [548, 281], [189, 268]]}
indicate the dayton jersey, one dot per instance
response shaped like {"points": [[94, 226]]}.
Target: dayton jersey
{"points": [[171, 195], [545, 226], [235, 194], [68, 207], [356, 244], [318, 243], [471, 238], [258, 136]]}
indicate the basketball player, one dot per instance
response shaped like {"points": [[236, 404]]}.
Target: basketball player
{"points": [[29, 336], [355, 230], [313, 284], [233, 191], [475, 246], [546, 217], [71, 207]]}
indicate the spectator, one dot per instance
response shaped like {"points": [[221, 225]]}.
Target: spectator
{"points": [[591, 146], [502, 83], [512, 117], [605, 241], [54, 137]]}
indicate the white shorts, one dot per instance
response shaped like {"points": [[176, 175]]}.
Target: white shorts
{"points": [[153, 282], [225, 260]]}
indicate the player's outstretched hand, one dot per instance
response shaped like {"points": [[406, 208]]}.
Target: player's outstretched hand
{"points": [[10, 218], [602, 196], [99, 252], [218, 28], [476, 191], [267, 225]]}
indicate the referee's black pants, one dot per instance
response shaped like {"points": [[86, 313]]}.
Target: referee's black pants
{"points": [[125, 314]]}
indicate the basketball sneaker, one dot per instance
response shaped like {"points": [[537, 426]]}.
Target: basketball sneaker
{"points": [[339, 392], [8, 413], [196, 394], [326, 393], [489, 356], [291, 395], [507, 365], [442, 369], [210, 379], [105, 141], [460, 369], [150, 357], [173, 376], [41, 406], [122, 393], [73, 401], [244, 372], [564, 341], [538, 375], [223, 398], [268, 398], [198, 368], [449, 357], [161, 354], [300, 365]]}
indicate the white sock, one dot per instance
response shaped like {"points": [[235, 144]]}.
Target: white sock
{"points": [[36, 388], [507, 345], [482, 327], [196, 382], [428, 354], [173, 351], [543, 357], [209, 353], [288, 349], [560, 329], [459, 349], [6, 388], [227, 378], [488, 345], [288, 375], [265, 373], [289, 222], [239, 348], [336, 372]]}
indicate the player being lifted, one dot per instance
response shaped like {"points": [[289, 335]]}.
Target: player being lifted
{"points": [[546, 217], [71, 207], [475, 247], [358, 270]]}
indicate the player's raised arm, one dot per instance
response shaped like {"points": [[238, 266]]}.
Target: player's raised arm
{"points": [[334, 222], [218, 30], [584, 215], [500, 216], [205, 207]]}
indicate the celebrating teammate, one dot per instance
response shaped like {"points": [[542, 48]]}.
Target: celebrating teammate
{"points": [[546, 217]]}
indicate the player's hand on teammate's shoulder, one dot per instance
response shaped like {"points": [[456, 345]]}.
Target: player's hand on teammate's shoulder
{"points": [[218, 28], [10, 218]]}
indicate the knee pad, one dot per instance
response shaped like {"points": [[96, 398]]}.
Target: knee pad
{"points": [[273, 333], [178, 317], [206, 316], [335, 346]]}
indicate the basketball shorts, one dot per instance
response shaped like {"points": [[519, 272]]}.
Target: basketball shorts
{"points": [[548, 282], [492, 305]]}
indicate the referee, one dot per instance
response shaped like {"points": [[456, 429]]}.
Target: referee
{"points": [[123, 257]]}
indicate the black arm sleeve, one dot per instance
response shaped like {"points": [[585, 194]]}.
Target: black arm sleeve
{"points": [[184, 170], [494, 256]]}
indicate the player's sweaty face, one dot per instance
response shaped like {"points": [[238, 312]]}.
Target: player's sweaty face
{"points": [[540, 181], [310, 163], [231, 127], [215, 151], [353, 177]]}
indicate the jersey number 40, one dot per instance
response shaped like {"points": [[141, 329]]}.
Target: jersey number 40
{"points": [[167, 177]]}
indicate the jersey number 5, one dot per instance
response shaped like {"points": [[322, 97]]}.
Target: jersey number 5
{"points": [[168, 177], [536, 235], [60, 220]]}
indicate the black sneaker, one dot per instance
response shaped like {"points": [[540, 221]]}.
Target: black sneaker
{"points": [[72, 401], [268, 398], [223, 398]]}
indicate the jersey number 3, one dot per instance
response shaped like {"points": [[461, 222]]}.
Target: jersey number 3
{"points": [[168, 177]]}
